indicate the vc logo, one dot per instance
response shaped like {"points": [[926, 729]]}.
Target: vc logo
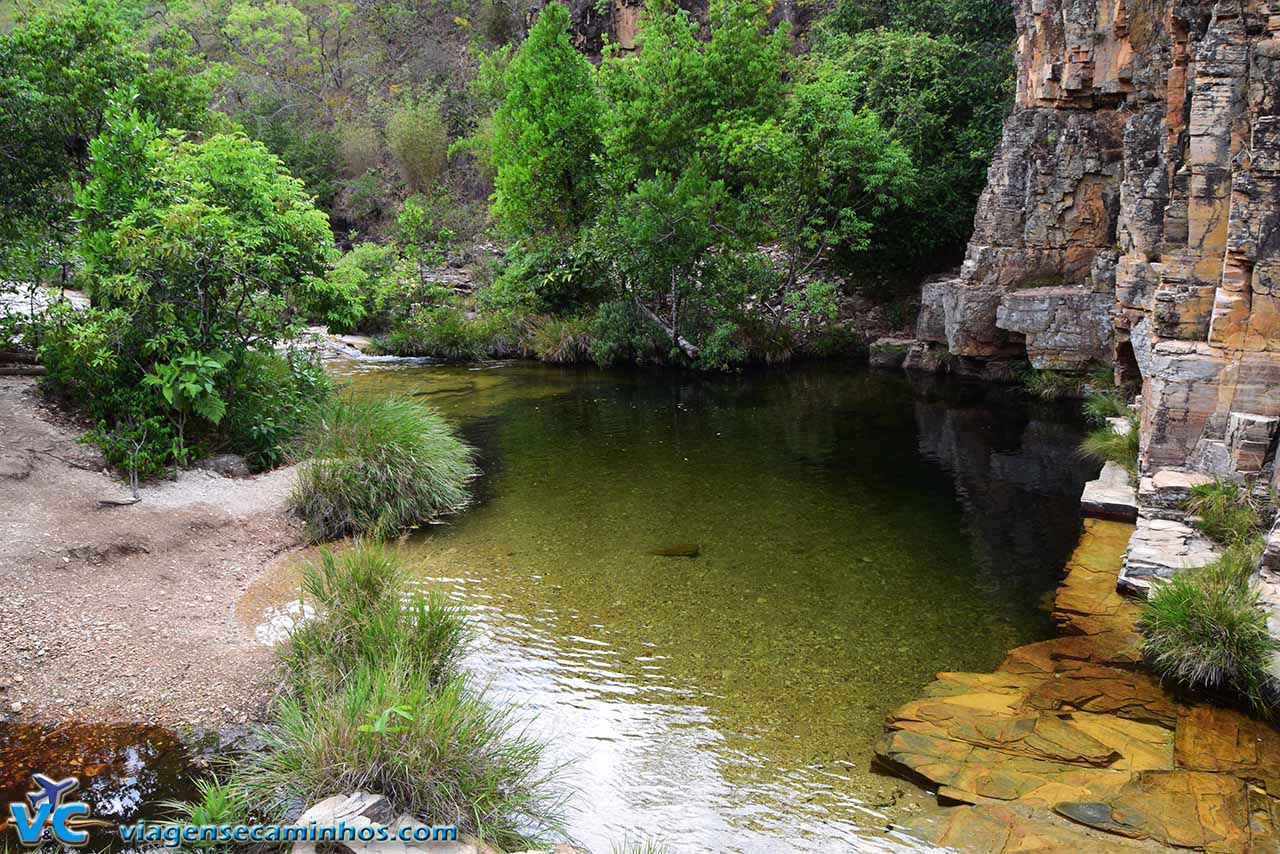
{"points": [[64, 820]]}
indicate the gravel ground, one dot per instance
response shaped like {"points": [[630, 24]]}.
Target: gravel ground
{"points": [[127, 613]]}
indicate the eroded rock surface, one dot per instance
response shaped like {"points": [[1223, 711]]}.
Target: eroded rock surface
{"points": [[1132, 216], [1071, 746]]}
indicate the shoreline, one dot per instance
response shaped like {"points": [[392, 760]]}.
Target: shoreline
{"points": [[128, 613], [1071, 745]]}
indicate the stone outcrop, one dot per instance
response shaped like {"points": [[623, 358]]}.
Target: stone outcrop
{"points": [[1132, 216], [1068, 747]]}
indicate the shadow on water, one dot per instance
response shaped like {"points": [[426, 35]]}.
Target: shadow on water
{"points": [[125, 770]]}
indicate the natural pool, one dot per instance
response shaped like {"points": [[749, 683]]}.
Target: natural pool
{"points": [[856, 532]]}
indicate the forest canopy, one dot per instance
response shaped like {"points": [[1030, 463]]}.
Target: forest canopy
{"points": [[474, 178]]}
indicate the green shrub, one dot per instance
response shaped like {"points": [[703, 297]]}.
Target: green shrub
{"points": [[1106, 445], [1206, 629], [273, 398], [419, 140], [369, 272], [379, 467], [374, 702], [1223, 511]]}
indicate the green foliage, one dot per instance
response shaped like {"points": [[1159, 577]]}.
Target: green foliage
{"points": [[562, 340], [369, 274], [419, 141], [379, 467], [59, 70], [1225, 513], [310, 154], [422, 237], [1205, 628], [272, 398], [546, 133], [217, 803], [375, 702], [194, 254], [944, 100]]}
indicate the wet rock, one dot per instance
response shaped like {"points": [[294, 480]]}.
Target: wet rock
{"points": [[1060, 751]]}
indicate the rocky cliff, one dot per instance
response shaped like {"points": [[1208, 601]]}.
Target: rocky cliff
{"points": [[1132, 217]]}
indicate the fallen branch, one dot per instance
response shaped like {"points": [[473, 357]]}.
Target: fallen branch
{"points": [[22, 370], [112, 502], [689, 348]]}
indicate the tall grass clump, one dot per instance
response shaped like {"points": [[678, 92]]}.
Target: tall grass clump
{"points": [[1206, 628], [1105, 444], [1224, 512], [1101, 405], [378, 467], [1051, 385], [375, 700]]}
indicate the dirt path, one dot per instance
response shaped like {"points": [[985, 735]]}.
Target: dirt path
{"points": [[126, 613]]}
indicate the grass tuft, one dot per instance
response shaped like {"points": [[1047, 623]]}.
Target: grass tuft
{"points": [[374, 700], [380, 467], [1106, 445], [1206, 628], [1224, 512]]}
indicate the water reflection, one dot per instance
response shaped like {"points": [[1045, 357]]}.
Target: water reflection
{"points": [[855, 534]]}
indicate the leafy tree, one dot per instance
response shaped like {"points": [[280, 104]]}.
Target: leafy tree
{"points": [[939, 75], [58, 71], [196, 254], [546, 134]]}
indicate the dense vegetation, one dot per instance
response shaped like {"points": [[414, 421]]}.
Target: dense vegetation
{"points": [[707, 199]]}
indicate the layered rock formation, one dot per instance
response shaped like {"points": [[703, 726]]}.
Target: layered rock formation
{"points": [[1132, 217]]}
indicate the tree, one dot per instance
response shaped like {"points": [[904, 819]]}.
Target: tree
{"points": [[546, 134], [196, 254], [58, 71]]}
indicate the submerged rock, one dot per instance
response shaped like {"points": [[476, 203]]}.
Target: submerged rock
{"points": [[678, 550], [1067, 746]]}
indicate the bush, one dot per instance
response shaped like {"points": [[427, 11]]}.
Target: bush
{"points": [[374, 702], [273, 398], [1052, 385], [419, 140], [1104, 444], [1206, 628], [380, 467], [1223, 511], [369, 272]]}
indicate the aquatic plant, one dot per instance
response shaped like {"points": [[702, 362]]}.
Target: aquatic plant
{"points": [[378, 467], [374, 700], [1106, 444], [1206, 628], [1224, 512]]}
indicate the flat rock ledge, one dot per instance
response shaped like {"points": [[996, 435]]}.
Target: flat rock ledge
{"points": [[1070, 746], [362, 809], [1112, 496]]}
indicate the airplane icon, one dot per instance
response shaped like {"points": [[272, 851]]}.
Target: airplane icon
{"points": [[51, 791]]}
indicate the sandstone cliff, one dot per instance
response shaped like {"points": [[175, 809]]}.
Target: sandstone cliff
{"points": [[1132, 216]]}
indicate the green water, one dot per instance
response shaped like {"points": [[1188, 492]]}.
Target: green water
{"points": [[856, 533]]}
